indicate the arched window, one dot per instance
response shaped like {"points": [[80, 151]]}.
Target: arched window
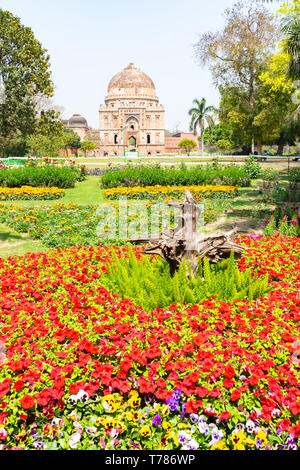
{"points": [[132, 127], [116, 139], [148, 139]]}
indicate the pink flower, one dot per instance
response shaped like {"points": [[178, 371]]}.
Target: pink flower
{"points": [[3, 433]]}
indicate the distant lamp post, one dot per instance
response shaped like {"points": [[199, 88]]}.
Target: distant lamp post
{"points": [[123, 128]]}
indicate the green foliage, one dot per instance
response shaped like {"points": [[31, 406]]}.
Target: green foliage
{"points": [[148, 282], [24, 71], [47, 176], [252, 167], [46, 146], [294, 175], [16, 147], [72, 140], [151, 175], [283, 221], [87, 145], [50, 124], [187, 145]]}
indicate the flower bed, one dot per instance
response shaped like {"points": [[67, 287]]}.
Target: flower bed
{"points": [[30, 193], [63, 225], [162, 192], [83, 369]]}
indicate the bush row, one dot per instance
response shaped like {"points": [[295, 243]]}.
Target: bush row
{"points": [[150, 175], [47, 176]]}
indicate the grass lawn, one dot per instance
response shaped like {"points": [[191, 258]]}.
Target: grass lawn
{"points": [[13, 243]]}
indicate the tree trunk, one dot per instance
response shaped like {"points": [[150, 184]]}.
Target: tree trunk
{"points": [[259, 148], [184, 243], [252, 146], [280, 148], [202, 141]]}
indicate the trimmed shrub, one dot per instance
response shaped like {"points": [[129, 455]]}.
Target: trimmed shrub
{"points": [[47, 176]]}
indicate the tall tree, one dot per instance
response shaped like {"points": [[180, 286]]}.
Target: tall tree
{"points": [[200, 116], [237, 54], [291, 29], [24, 73], [272, 110]]}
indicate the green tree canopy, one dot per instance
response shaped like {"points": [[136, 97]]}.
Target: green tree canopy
{"points": [[87, 145], [24, 73], [72, 140], [187, 145], [237, 54]]}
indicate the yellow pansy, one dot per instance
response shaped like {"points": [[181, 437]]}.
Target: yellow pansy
{"points": [[238, 438], [145, 431], [132, 415], [220, 445], [262, 436]]}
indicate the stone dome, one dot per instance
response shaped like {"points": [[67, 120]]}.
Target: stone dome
{"points": [[77, 121], [131, 81]]}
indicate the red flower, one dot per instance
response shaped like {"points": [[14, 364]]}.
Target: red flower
{"points": [[284, 425], [18, 385], [4, 387], [228, 383], [225, 415], [295, 408], [295, 430], [27, 402], [201, 391], [192, 406], [236, 395], [229, 372]]}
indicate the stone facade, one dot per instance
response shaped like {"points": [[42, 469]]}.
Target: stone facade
{"points": [[131, 118]]}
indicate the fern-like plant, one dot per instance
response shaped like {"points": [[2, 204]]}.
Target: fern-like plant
{"points": [[148, 282]]}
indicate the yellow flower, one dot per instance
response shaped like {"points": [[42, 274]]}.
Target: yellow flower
{"points": [[238, 438], [182, 426], [132, 415], [145, 431], [250, 442], [262, 436], [220, 445], [166, 425], [134, 402]]}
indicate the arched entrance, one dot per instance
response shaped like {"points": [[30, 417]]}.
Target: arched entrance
{"points": [[132, 142]]}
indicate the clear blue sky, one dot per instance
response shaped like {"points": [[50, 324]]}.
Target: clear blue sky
{"points": [[91, 40]]}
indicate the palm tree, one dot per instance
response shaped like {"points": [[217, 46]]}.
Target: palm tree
{"points": [[291, 29], [200, 116], [290, 26]]}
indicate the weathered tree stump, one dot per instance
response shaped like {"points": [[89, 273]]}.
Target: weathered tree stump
{"points": [[184, 242]]}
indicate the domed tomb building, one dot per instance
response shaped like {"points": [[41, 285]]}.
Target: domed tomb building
{"points": [[131, 118], [78, 124]]}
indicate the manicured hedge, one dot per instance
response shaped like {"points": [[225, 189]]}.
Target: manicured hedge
{"points": [[151, 175], [47, 176]]}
